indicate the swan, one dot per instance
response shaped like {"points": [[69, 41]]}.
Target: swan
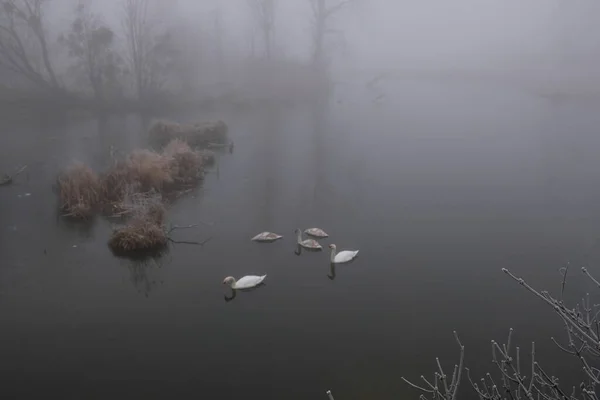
{"points": [[266, 237], [343, 256], [316, 232], [246, 282], [308, 243]]}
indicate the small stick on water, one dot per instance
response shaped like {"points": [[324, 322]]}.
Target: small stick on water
{"points": [[202, 243], [330, 395], [8, 179], [175, 227]]}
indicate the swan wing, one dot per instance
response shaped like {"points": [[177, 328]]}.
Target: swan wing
{"points": [[266, 237], [345, 256], [316, 232], [249, 281], [311, 243]]}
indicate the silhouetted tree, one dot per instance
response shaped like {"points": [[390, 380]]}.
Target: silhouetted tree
{"points": [[90, 43], [322, 12], [150, 53], [263, 13], [24, 43]]}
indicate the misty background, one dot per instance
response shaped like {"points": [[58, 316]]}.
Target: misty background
{"points": [[444, 140], [212, 48]]}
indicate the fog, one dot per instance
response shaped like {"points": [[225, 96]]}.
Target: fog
{"points": [[145, 144], [213, 40]]}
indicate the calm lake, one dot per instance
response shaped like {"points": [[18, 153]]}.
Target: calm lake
{"points": [[439, 186]]}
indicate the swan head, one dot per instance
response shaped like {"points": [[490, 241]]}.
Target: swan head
{"points": [[332, 246], [228, 280]]}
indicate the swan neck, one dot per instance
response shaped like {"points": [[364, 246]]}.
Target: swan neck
{"points": [[299, 236], [333, 255], [232, 284]]}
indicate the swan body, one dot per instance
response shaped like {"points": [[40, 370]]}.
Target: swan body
{"points": [[266, 237], [316, 232], [343, 256], [246, 282], [308, 243]]}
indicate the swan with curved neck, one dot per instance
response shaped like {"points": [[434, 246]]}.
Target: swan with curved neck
{"points": [[246, 282], [343, 256], [308, 243]]}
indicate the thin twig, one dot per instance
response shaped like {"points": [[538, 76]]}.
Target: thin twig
{"points": [[188, 242], [564, 281], [8, 179]]}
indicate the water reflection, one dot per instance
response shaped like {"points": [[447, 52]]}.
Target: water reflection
{"points": [[271, 129], [143, 269], [234, 291], [229, 298], [331, 274], [84, 228], [300, 249]]}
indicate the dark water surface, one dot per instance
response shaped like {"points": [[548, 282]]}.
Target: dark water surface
{"points": [[439, 187]]}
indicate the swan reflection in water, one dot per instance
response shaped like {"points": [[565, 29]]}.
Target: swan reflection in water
{"points": [[299, 249], [331, 274], [234, 292]]}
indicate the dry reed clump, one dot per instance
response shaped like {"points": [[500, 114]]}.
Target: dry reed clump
{"points": [[79, 191], [145, 228], [186, 165], [145, 205], [138, 235], [199, 134], [143, 170], [150, 169], [208, 157]]}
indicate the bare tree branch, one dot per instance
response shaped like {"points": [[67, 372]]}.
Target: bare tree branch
{"points": [[263, 12], [17, 17]]}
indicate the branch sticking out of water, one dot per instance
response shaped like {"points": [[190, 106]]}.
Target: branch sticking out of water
{"points": [[175, 227], [202, 243], [8, 179]]}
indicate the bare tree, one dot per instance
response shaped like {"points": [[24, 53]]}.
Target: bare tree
{"points": [[90, 42], [263, 13], [149, 53], [19, 21], [322, 12], [582, 326]]}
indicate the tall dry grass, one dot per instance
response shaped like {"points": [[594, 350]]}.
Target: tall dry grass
{"points": [[145, 227], [196, 135], [138, 235], [134, 188], [185, 164], [79, 191], [146, 170]]}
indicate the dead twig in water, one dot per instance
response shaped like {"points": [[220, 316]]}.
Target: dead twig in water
{"points": [[8, 179], [202, 243], [175, 227]]}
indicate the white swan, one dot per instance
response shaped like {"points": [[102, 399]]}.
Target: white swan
{"points": [[316, 232], [342, 256], [266, 237], [308, 243], [246, 282]]}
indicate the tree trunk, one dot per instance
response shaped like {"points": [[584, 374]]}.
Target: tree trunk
{"points": [[47, 63], [319, 35]]}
